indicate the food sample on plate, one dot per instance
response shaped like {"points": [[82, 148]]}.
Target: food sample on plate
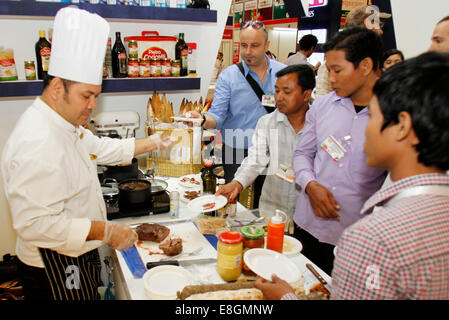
{"points": [[208, 206], [240, 291], [190, 195], [172, 247], [210, 225], [190, 181], [152, 232]]}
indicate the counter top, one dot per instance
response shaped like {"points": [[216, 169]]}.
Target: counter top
{"points": [[133, 289]]}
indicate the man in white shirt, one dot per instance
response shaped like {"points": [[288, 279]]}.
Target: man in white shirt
{"points": [[49, 169], [273, 143], [307, 46]]}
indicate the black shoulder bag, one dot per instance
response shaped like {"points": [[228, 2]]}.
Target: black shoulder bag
{"points": [[257, 89]]}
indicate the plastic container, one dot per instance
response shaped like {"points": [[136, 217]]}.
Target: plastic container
{"points": [[275, 235], [174, 204], [229, 255]]}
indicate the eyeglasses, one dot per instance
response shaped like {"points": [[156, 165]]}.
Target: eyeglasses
{"points": [[256, 24]]}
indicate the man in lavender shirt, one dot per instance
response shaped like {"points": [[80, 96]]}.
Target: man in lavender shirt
{"points": [[329, 161]]}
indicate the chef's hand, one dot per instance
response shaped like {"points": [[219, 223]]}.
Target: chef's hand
{"points": [[275, 289], [230, 190], [322, 201], [118, 235], [158, 142]]}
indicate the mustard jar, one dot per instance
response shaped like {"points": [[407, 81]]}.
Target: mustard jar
{"points": [[229, 255]]}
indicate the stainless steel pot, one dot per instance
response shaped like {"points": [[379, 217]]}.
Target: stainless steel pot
{"points": [[110, 190]]}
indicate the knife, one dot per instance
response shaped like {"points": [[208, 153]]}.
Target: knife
{"points": [[319, 277], [178, 262]]}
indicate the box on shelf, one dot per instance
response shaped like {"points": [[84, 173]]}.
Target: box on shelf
{"points": [[153, 46]]}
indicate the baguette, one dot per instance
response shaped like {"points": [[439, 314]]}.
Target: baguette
{"points": [[203, 288]]}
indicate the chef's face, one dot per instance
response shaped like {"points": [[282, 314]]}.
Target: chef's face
{"points": [[343, 77], [289, 96], [440, 37], [77, 102], [378, 144], [253, 45]]}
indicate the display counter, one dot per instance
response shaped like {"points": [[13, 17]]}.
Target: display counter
{"points": [[128, 287]]}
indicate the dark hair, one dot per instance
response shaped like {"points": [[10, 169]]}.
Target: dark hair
{"points": [[305, 74], [47, 79], [358, 44], [390, 53], [419, 87], [308, 42], [444, 19]]}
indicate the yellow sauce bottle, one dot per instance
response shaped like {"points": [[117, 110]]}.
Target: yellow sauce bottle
{"points": [[229, 255]]}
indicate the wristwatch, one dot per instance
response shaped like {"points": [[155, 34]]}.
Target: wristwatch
{"points": [[204, 120]]}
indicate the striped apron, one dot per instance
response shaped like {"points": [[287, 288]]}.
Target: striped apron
{"points": [[73, 278]]}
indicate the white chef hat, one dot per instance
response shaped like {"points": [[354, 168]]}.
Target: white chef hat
{"points": [[78, 46]]}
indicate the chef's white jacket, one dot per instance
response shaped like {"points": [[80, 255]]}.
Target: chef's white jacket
{"points": [[50, 178]]}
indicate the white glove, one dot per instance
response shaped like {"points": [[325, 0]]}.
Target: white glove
{"points": [[118, 235], [159, 142]]}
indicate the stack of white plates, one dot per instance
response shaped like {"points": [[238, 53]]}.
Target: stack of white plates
{"points": [[162, 282]]}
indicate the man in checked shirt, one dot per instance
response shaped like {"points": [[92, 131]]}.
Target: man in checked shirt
{"points": [[400, 251]]}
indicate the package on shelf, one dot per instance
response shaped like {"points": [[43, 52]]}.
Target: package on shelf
{"points": [[96, 1], [192, 72], [8, 71], [160, 3], [153, 46], [178, 3]]}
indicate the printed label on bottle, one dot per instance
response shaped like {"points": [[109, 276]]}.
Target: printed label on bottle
{"points": [[227, 261], [45, 56], [122, 62]]}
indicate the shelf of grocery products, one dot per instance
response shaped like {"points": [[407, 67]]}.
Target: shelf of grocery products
{"points": [[49, 9], [24, 88]]}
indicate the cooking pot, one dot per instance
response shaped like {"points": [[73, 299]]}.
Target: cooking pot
{"points": [[110, 190], [122, 171], [135, 191]]}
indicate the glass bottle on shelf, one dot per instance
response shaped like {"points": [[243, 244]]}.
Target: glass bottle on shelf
{"points": [[119, 58], [182, 54], [43, 51]]}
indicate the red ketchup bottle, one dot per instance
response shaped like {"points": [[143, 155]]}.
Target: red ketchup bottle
{"points": [[275, 235]]}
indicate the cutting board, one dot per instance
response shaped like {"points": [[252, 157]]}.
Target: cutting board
{"points": [[192, 239]]}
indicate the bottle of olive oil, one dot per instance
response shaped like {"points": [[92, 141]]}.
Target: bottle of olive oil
{"points": [[43, 51], [182, 54], [119, 58]]}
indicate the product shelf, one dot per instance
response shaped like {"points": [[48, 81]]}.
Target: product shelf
{"points": [[112, 12], [24, 88]]}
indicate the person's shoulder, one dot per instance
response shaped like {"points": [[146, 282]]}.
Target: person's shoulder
{"points": [[277, 65], [325, 101]]}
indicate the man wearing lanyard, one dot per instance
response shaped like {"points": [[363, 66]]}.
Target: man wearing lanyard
{"points": [[274, 140], [49, 169], [400, 250], [236, 107], [329, 161]]}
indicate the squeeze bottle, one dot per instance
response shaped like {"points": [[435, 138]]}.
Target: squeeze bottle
{"points": [[275, 236]]}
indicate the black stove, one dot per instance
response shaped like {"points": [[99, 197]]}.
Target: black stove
{"points": [[160, 203]]}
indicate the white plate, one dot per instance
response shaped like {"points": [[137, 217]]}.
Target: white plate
{"points": [[185, 200], [292, 246], [162, 282], [189, 184], [265, 262], [186, 119], [196, 205]]}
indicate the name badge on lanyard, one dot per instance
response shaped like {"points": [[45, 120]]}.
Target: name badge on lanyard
{"points": [[333, 148], [268, 100], [285, 173]]}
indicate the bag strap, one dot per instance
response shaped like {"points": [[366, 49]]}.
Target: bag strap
{"points": [[256, 88]]}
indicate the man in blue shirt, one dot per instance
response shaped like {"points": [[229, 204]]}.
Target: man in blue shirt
{"points": [[236, 107]]}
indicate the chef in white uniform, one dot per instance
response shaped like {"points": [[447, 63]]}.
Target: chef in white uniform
{"points": [[49, 167]]}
